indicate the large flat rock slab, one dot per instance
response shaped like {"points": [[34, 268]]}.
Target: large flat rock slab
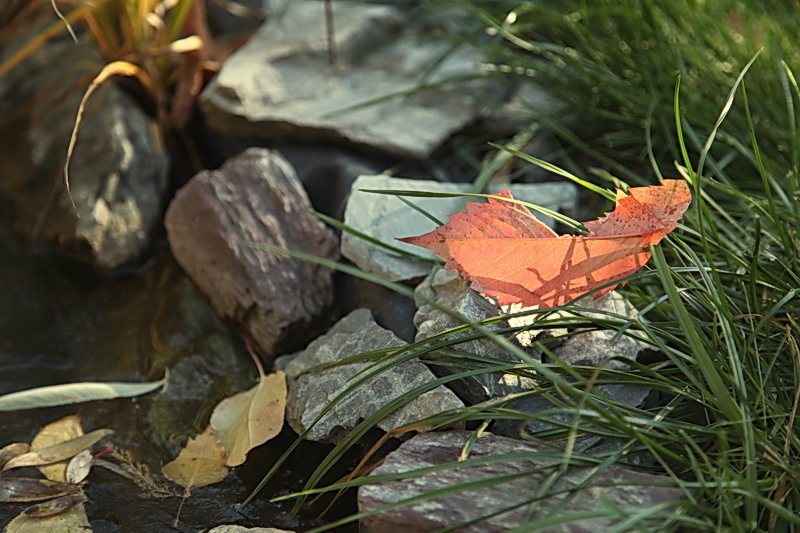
{"points": [[310, 393], [281, 85], [605, 497], [386, 218], [214, 225]]}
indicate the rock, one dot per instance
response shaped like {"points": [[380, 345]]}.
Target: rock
{"points": [[595, 348], [281, 85], [118, 172], [447, 290], [625, 394], [609, 495], [387, 218], [254, 198], [309, 394]]}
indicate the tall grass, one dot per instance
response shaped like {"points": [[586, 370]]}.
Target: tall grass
{"points": [[663, 93]]}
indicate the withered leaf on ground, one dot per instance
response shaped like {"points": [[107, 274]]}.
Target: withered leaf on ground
{"points": [[23, 489], [73, 520], [62, 430], [58, 452], [250, 418], [12, 450], [56, 506], [79, 466], [507, 253], [201, 463]]}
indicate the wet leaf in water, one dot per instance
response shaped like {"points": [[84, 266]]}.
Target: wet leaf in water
{"points": [[250, 418], [58, 452], [73, 520], [201, 463], [54, 433], [56, 506], [79, 467], [70, 393], [22, 489], [13, 450]]}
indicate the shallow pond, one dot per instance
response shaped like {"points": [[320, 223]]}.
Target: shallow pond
{"points": [[61, 322]]}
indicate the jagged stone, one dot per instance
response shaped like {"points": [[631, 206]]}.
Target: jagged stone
{"points": [[448, 291], [214, 225], [310, 393], [613, 493]]}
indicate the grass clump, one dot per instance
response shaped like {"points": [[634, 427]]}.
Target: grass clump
{"points": [[720, 299]]}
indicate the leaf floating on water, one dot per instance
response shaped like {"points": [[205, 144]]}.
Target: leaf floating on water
{"points": [[507, 253], [58, 452], [73, 520], [56, 506], [200, 463], [22, 489], [79, 466], [250, 418], [57, 432], [70, 393], [13, 450]]}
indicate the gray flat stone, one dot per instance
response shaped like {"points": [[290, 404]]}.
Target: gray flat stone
{"points": [[281, 86], [387, 218], [614, 492], [309, 394], [211, 224]]}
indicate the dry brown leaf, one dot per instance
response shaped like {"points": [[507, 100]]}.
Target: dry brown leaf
{"points": [[250, 418], [73, 520], [13, 450], [56, 506], [57, 432], [58, 452], [201, 463], [23, 489], [79, 466]]}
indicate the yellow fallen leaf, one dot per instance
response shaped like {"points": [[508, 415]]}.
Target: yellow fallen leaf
{"points": [[57, 453], [73, 520], [250, 418], [200, 463], [59, 431]]}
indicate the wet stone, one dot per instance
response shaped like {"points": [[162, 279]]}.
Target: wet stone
{"points": [[386, 218], [118, 172], [309, 394], [627, 491], [214, 226]]}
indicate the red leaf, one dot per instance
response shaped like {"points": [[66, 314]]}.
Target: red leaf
{"points": [[507, 253]]}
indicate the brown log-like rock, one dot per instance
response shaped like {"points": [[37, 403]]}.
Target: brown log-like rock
{"points": [[214, 225], [598, 498]]}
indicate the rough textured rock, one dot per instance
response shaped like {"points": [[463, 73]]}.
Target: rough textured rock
{"points": [[590, 348], [595, 348], [625, 394], [447, 290], [386, 218], [614, 493], [118, 172], [212, 224], [355, 334], [281, 85]]}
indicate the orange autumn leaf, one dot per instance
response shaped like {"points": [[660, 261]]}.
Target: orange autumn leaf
{"points": [[507, 253]]}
